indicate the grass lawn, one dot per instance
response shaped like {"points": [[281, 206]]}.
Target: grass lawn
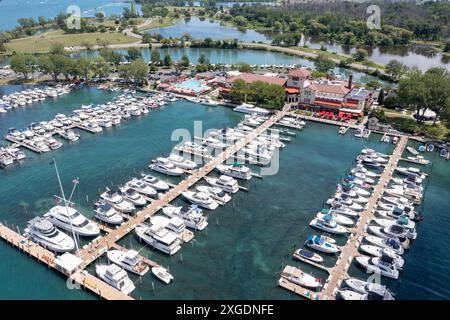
{"points": [[157, 22], [43, 42]]}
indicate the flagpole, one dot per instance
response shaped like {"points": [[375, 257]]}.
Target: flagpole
{"points": [[65, 204]]}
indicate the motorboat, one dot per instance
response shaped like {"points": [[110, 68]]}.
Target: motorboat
{"points": [[340, 219], [16, 153], [237, 171], [413, 151], [249, 108], [346, 201], [319, 243], [116, 277], [43, 232], [162, 274], [390, 243], [378, 252], [130, 260], [16, 135], [364, 287], [343, 210], [360, 168], [71, 220], [308, 255], [401, 221], [384, 266], [201, 199], [154, 182], [192, 216], [141, 187], [216, 193], [409, 172], [213, 143], [106, 213], [181, 162], [117, 201], [363, 177], [69, 135], [226, 183], [196, 148], [159, 238], [374, 294], [301, 278], [133, 196], [165, 166], [396, 232], [174, 224], [328, 224]]}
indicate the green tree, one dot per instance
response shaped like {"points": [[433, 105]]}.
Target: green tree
{"points": [[412, 91], [239, 91], [360, 54], [57, 48], [381, 97], [23, 64], [202, 59], [437, 85], [322, 63], [395, 68], [134, 54], [156, 57], [167, 60], [185, 61], [2, 47]]}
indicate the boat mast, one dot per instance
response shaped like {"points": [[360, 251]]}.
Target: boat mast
{"points": [[65, 205]]}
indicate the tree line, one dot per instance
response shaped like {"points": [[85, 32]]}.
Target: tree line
{"points": [[269, 96]]}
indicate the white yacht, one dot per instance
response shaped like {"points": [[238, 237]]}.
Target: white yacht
{"points": [[192, 216], [133, 196], [340, 219], [236, 171], [384, 266], [321, 243], [214, 143], [106, 213], [116, 277], [249, 108], [194, 147], [117, 201], [141, 187], [181, 162], [154, 182], [378, 252], [162, 274], [341, 209], [174, 224], [328, 224], [364, 287], [165, 166], [69, 219], [409, 172], [130, 260], [16, 153], [43, 232], [226, 183], [159, 238], [390, 243], [216, 193], [301, 278], [201, 199]]}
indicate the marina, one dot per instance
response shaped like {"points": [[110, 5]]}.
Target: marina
{"points": [[162, 260]]}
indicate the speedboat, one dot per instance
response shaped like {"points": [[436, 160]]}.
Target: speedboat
{"points": [[70, 219], [214, 143], [301, 278], [130, 260], [340, 219], [159, 238], [192, 216], [117, 201], [165, 166], [364, 287], [401, 221], [43, 232], [216, 193], [106, 213], [390, 243], [319, 243], [328, 224], [362, 169], [344, 210], [378, 252], [174, 224], [413, 151], [308, 255], [249, 108], [132, 196], [396, 232], [410, 172], [154, 182], [195, 147], [384, 266], [374, 294], [162, 274], [201, 199], [236, 171], [141, 187], [181, 162], [116, 277], [226, 183]]}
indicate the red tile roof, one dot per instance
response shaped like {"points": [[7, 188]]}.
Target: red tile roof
{"points": [[250, 77], [300, 72], [329, 88]]}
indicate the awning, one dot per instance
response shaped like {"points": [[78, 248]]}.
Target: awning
{"points": [[292, 90]]}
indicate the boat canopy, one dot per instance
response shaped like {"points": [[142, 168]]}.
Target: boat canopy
{"points": [[325, 211]]}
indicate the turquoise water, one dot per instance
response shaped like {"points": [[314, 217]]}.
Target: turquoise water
{"points": [[11, 10], [246, 243], [191, 84]]}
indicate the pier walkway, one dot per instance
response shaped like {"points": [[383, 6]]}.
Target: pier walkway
{"points": [[101, 245], [350, 250]]}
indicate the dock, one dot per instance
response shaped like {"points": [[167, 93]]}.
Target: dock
{"points": [[22, 144]]}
